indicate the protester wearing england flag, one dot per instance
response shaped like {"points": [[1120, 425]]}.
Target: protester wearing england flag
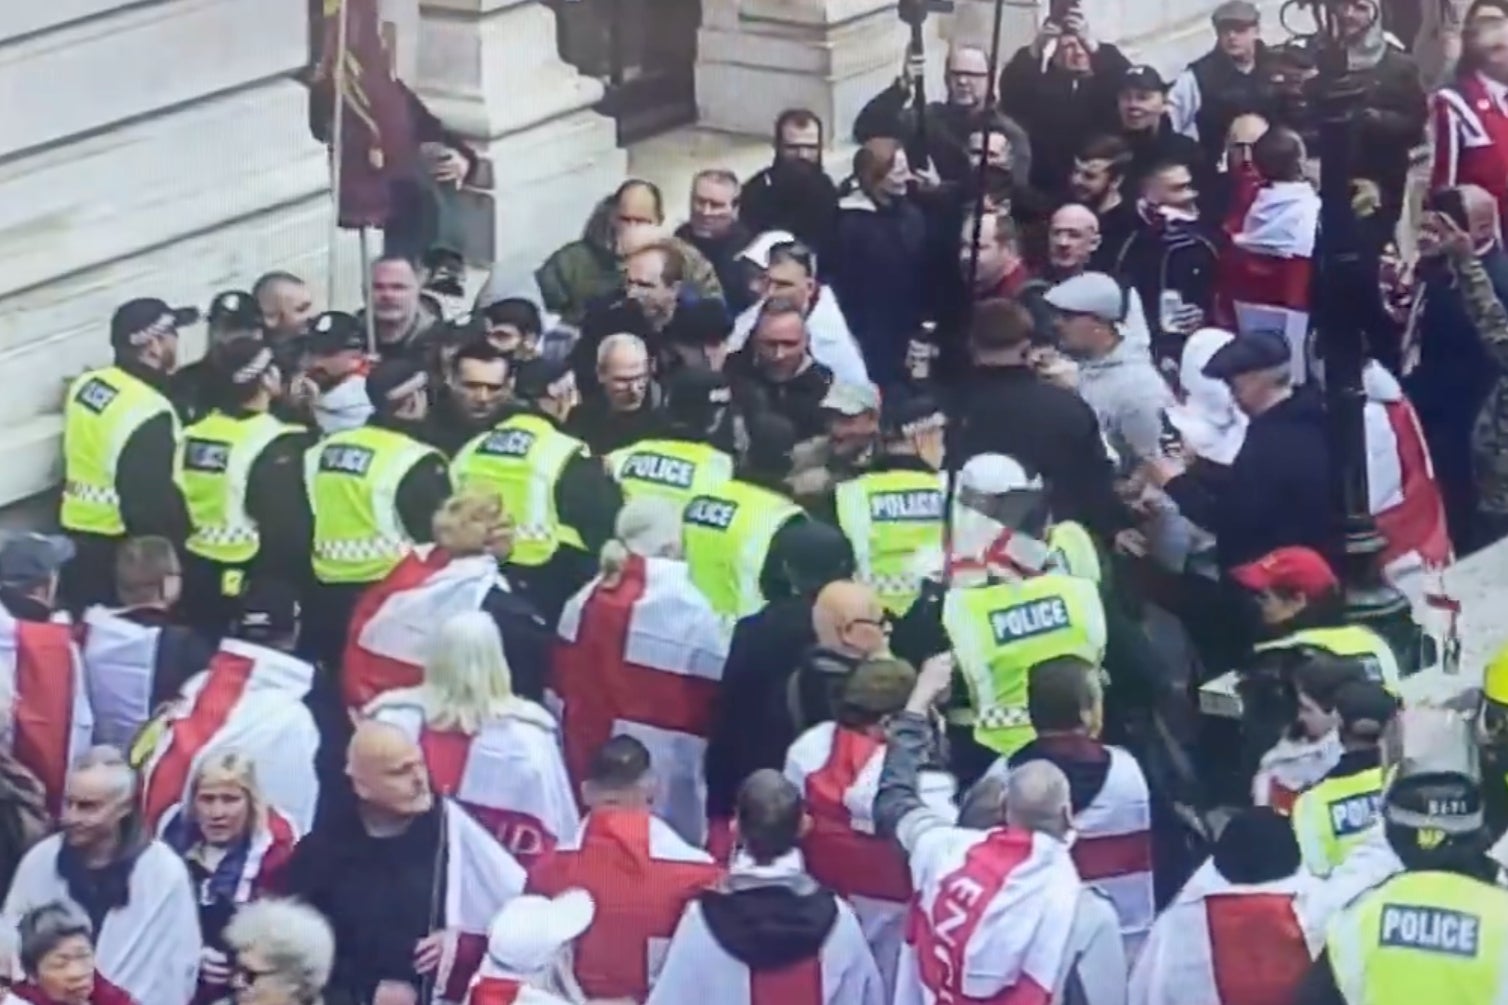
{"points": [[1469, 117], [42, 687], [638, 870], [135, 656], [1000, 914], [408, 882], [135, 891], [529, 952], [726, 938], [396, 620], [1405, 499], [496, 754], [836, 765], [257, 700], [1232, 935], [1112, 815], [1267, 271], [641, 652], [235, 846]]}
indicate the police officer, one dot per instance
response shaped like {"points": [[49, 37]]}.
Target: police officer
{"points": [[1007, 607], [120, 444], [1492, 723], [374, 491], [684, 462], [1299, 601], [232, 314], [736, 535], [1332, 817], [1438, 931], [243, 480], [895, 510], [562, 501]]}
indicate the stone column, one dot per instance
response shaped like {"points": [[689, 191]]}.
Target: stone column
{"points": [[973, 20], [162, 149], [757, 57], [492, 71]]}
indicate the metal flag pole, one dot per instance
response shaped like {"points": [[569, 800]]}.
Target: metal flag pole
{"points": [[337, 137], [981, 173]]}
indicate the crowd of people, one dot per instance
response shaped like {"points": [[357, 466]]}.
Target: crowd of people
{"points": [[808, 604]]}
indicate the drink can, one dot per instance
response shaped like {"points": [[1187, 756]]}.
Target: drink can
{"points": [[1169, 305]]}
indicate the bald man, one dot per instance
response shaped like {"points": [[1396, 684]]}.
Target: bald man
{"points": [[851, 625], [723, 940], [1022, 862], [1072, 239], [380, 872]]}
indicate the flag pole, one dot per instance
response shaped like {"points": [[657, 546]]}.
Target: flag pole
{"points": [[337, 139]]}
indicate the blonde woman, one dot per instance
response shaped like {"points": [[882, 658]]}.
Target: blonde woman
{"points": [[495, 753], [234, 845], [396, 620]]}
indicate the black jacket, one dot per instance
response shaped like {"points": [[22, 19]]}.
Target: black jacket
{"points": [[1276, 493], [797, 197], [527, 640], [798, 399], [1059, 111], [181, 652], [1163, 146], [1050, 430], [1158, 257], [279, 503], [722, 252], [150, 500], [605, 430], [1226, 92], [770, 926]]}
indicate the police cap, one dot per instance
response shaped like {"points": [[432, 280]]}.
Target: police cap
{"points": [[393, 380]]}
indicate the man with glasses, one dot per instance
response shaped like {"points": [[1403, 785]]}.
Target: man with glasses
{"points": [[794, 193], [621, 408], [691, 456]]}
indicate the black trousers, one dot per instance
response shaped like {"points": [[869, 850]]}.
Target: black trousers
{"points": [[326, 620], [89, 579]]}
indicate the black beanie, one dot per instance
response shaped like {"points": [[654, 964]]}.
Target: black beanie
{"points": [[1257, 846]]}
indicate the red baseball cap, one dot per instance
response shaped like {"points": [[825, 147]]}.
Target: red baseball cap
{"points": [[1292, 570]]}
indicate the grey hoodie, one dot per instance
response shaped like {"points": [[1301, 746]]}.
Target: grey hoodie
{"points": [[1128, 396]]}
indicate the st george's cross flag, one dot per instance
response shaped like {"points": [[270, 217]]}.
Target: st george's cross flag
{"points": [[50, 722]]}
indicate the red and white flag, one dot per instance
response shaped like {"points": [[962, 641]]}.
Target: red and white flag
{"points": [[505, 991], [120, 658], [509, 775], [250, 700], [643, 655], [1290, 768], [838, 772], [991, 921], [1112, 846], [641, 875], [1405, 498], [480, 877], [1225, 942], [396, 619], [261, 867], [1265, 274], [51, 721]]}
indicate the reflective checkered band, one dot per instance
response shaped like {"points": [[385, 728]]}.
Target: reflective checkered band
{"points": [[531, 532], [1003, 717], [221, 537], [363, 550], [92, 493], [894, 586]]}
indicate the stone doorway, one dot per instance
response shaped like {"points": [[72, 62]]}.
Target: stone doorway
{"points": [[643, 52]]}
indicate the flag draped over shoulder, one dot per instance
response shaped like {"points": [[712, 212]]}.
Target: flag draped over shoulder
{"points": [[51, 720], [1266, 273], [376, 141]]}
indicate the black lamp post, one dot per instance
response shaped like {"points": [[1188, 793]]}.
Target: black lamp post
{"points": [[1345, 279]]}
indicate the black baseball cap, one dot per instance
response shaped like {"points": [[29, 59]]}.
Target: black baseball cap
{"points": [[1363, 701], [392, 380], [270, 609], [27, 559], [136, 320], [900, 408], [1143, 78], [694, 394], [1260, 350], [335, 331], [235, 309], [534, 378]]}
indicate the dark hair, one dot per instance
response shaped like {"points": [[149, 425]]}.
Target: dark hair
{"points": [[674, 270], [479, 350], [794, 251], [1321, 675], [990, 122], [1000, 324], [516, 312], [270, 279], [1161, 168], [801, 118], [620, 763], [1107, 148], [1278, 155], [390, 259], [769, 815], [1058, 693], [873, 161], [778, 307], [648, 186]]}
